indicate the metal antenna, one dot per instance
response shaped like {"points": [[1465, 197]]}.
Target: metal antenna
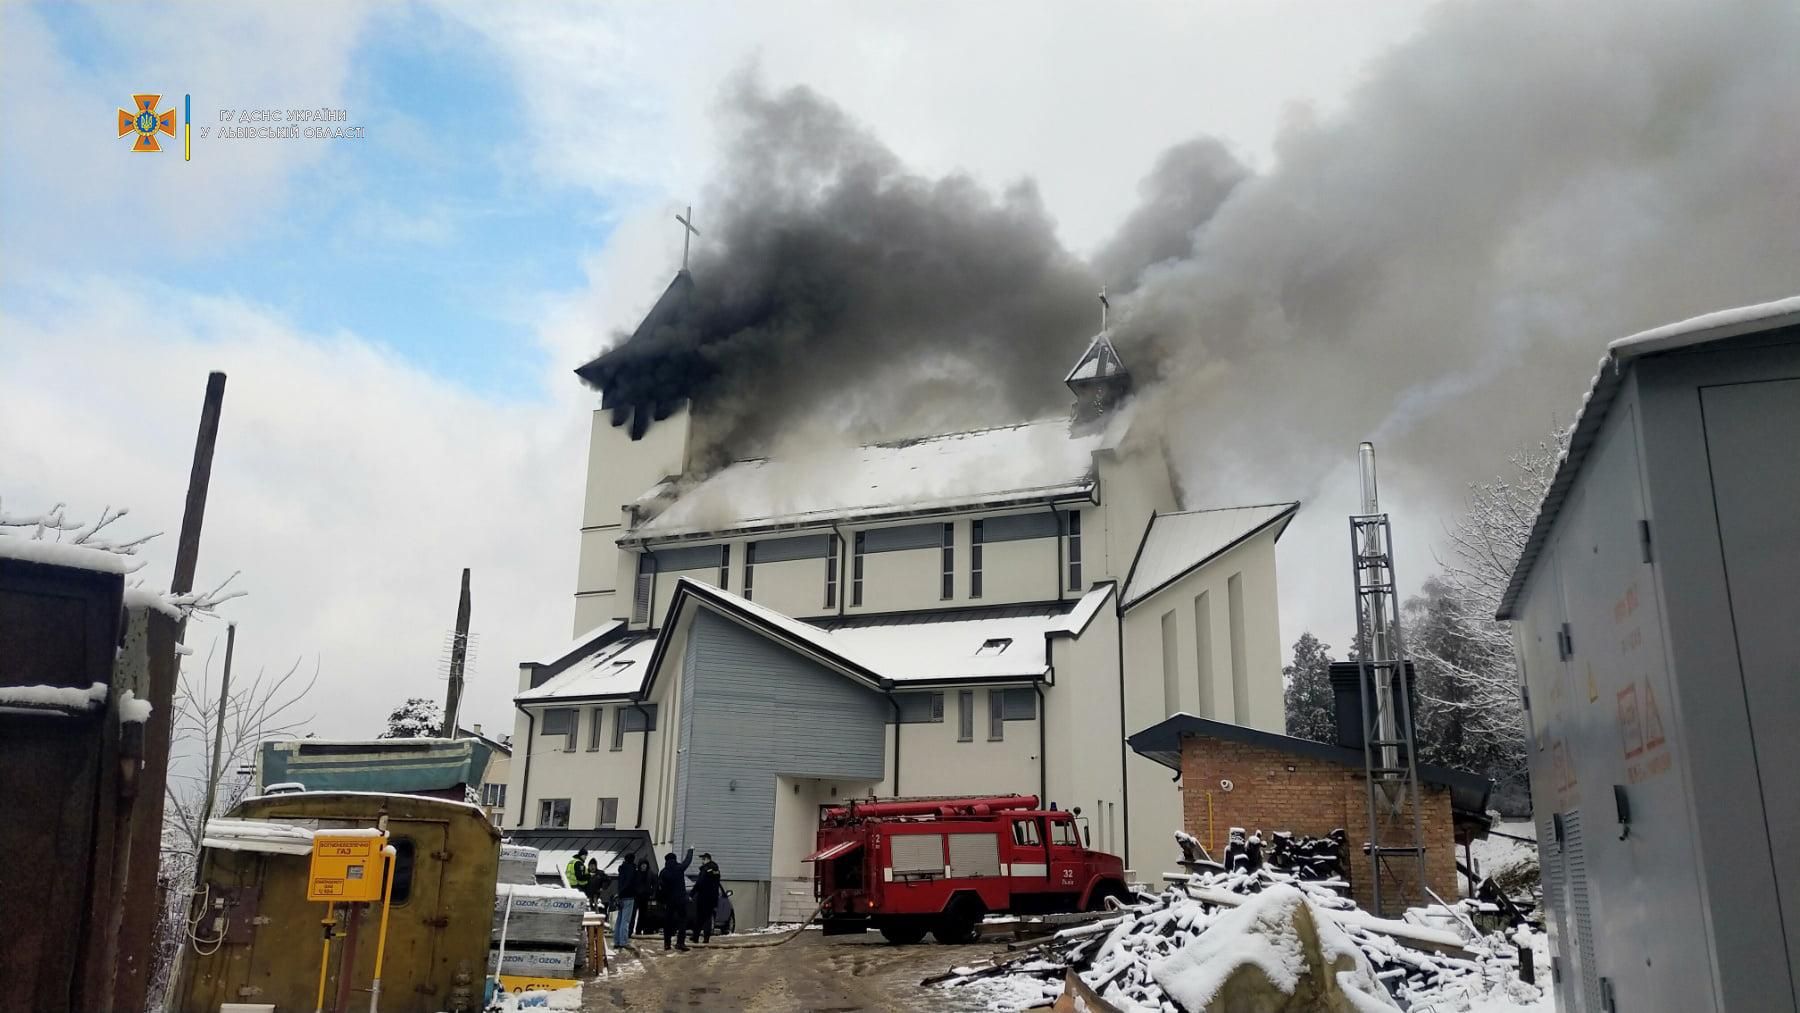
{"points": [[687, 223]]}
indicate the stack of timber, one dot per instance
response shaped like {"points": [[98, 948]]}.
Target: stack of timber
{"points": [[1267, 939]]}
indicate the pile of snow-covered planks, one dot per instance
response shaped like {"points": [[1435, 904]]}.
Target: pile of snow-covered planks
{"points": [[1210, 940]]}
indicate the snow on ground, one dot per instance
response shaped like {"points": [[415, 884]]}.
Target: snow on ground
{"points": [[775, 928], [1011, 995], [1496, 855], [562, 999]]}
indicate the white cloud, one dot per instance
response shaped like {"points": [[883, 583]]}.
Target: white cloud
{"points": [[1079, 96], [349, 486]]}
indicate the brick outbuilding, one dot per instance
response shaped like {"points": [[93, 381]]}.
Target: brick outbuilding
{"points": [[1233, 776]]}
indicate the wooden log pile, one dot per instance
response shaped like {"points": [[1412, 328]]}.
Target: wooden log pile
{"points": [[1433, 955]]}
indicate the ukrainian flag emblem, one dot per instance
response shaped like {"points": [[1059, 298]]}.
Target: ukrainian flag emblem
{"points": [[145, 121]]}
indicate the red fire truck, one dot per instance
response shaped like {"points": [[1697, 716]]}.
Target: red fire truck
{"points": [[938, 865]]}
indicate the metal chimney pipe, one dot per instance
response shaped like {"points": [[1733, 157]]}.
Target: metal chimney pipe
{"points": [[1365, 462]]}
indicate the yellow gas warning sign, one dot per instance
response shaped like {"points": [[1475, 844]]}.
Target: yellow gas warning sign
{"points": [[346, 866]]}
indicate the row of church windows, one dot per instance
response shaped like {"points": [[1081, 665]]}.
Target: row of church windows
{"points": [[1003, 705], [1014, 527], [566, 723]]}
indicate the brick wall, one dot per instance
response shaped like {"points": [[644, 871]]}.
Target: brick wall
{"points": [[1276, 790]]}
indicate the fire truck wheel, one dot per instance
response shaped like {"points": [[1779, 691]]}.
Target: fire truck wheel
{"points": [[903, 933], [959, 924]]}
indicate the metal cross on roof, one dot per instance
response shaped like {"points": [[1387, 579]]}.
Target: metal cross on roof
{"points": [[687, 223], [1104, 306]]}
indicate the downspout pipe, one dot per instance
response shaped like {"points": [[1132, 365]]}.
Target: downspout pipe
{"points": [[1124, 773], [1043, 761], [887, 690], [525, 772], [643, 759]]}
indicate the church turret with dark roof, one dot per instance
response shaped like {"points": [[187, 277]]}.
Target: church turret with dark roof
{"points": [[1099, 380]]}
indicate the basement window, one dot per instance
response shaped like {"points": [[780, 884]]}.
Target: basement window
{"points": [[993, 646]]}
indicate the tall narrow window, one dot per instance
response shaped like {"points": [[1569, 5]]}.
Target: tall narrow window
{"points": [[856, 571], [1171, 661], [1074, 550], [831, 572], [975, 535], [618, 735], [724, 567], [595, 729], [749, 569], [996, 714], [965, 716], [948, 588], [1203, 652], [640, 596], [1240, 674]]}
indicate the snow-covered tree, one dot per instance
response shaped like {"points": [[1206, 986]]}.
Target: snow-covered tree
{"points": [[417, 718], [1470, 713], [1311, 708]]}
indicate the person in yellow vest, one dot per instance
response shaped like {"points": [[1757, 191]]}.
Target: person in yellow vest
{"points": [[576, 871]]}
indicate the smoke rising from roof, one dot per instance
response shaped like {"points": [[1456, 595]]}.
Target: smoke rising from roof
{"points": [[1436, 264]]}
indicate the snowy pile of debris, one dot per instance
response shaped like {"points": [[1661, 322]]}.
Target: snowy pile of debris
{"points": [[1268, 940]]}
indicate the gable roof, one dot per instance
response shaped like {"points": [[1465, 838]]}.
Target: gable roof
{"points": [[1177, 544], [883, 652], [1162, 742], [1694, 332], [1026, 463], [1101, 360]]}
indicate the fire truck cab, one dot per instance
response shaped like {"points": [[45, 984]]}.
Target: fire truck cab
{"points": [[908, 867]]}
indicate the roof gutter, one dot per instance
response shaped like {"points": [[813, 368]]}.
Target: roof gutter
{"points": [[1084, 492]]}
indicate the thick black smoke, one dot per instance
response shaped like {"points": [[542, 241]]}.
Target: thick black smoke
{"points": [[829, 270], [1435, 264]]}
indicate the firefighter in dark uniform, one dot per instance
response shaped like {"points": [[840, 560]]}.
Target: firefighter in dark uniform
{"points": [[706, 894], [672, 891]]}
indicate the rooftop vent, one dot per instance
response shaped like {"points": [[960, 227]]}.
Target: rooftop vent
{"points": [[995, 645]]}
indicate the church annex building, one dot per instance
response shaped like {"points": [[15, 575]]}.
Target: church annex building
{"points": [[982, 612]]}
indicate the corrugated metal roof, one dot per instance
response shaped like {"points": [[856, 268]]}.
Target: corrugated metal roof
{"points": [[1176, 544], [1032, 460], [1620, 353]]}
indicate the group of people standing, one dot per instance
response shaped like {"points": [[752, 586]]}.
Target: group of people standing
{"points": [[638, 885]]}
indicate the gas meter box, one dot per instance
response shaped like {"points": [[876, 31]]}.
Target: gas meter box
{"points": [[346, 866]]}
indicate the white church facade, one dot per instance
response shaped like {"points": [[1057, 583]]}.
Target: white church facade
{"points": [[982, 612]]}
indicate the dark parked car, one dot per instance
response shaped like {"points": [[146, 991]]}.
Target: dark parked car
{"points": [[650, 920]]}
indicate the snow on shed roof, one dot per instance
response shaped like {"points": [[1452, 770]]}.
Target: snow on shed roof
{"points": [[85, 557], [1031, 460], [1689, 333], [1176, 544]]}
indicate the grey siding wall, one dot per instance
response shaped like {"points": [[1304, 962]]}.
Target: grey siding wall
{"points": [[751, 711]]}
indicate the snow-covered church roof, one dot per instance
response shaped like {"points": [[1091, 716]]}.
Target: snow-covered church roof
{"points": [[1176, 544], [981, 644], [1031, 461]]}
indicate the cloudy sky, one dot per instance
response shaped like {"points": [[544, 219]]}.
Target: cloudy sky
{"points": [[399, 313]]}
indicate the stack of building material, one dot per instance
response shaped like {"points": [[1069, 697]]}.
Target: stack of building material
{"points": [[541, 930], [518, 865]]}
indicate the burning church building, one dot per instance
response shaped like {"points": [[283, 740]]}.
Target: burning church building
{"points": [[983, 611]]}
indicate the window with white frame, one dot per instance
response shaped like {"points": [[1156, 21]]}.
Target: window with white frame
{"points": [[553, 812], [606, 812], [563, 721]]}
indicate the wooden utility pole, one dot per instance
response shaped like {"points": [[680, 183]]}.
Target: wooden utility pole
{"points": [[212, 782], [187, 550], [459, 654]]}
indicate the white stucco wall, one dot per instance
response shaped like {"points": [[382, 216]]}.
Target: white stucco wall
{"points": [[793, 587], [1023, 570], [619, 470], [934, 762], [1155, 801], [1082, 714], [1133, 484]]}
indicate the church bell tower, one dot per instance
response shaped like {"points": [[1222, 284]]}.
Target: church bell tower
{"points": [[1099, 380]]}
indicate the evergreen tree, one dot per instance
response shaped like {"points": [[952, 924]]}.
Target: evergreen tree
{"points": [[417, 718], [1311, 709]]}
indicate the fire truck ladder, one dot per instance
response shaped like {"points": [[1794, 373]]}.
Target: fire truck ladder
{"points": [[1396, 824]]}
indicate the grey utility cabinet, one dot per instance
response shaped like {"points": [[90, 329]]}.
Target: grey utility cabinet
{"points": [[1657, 609]]}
